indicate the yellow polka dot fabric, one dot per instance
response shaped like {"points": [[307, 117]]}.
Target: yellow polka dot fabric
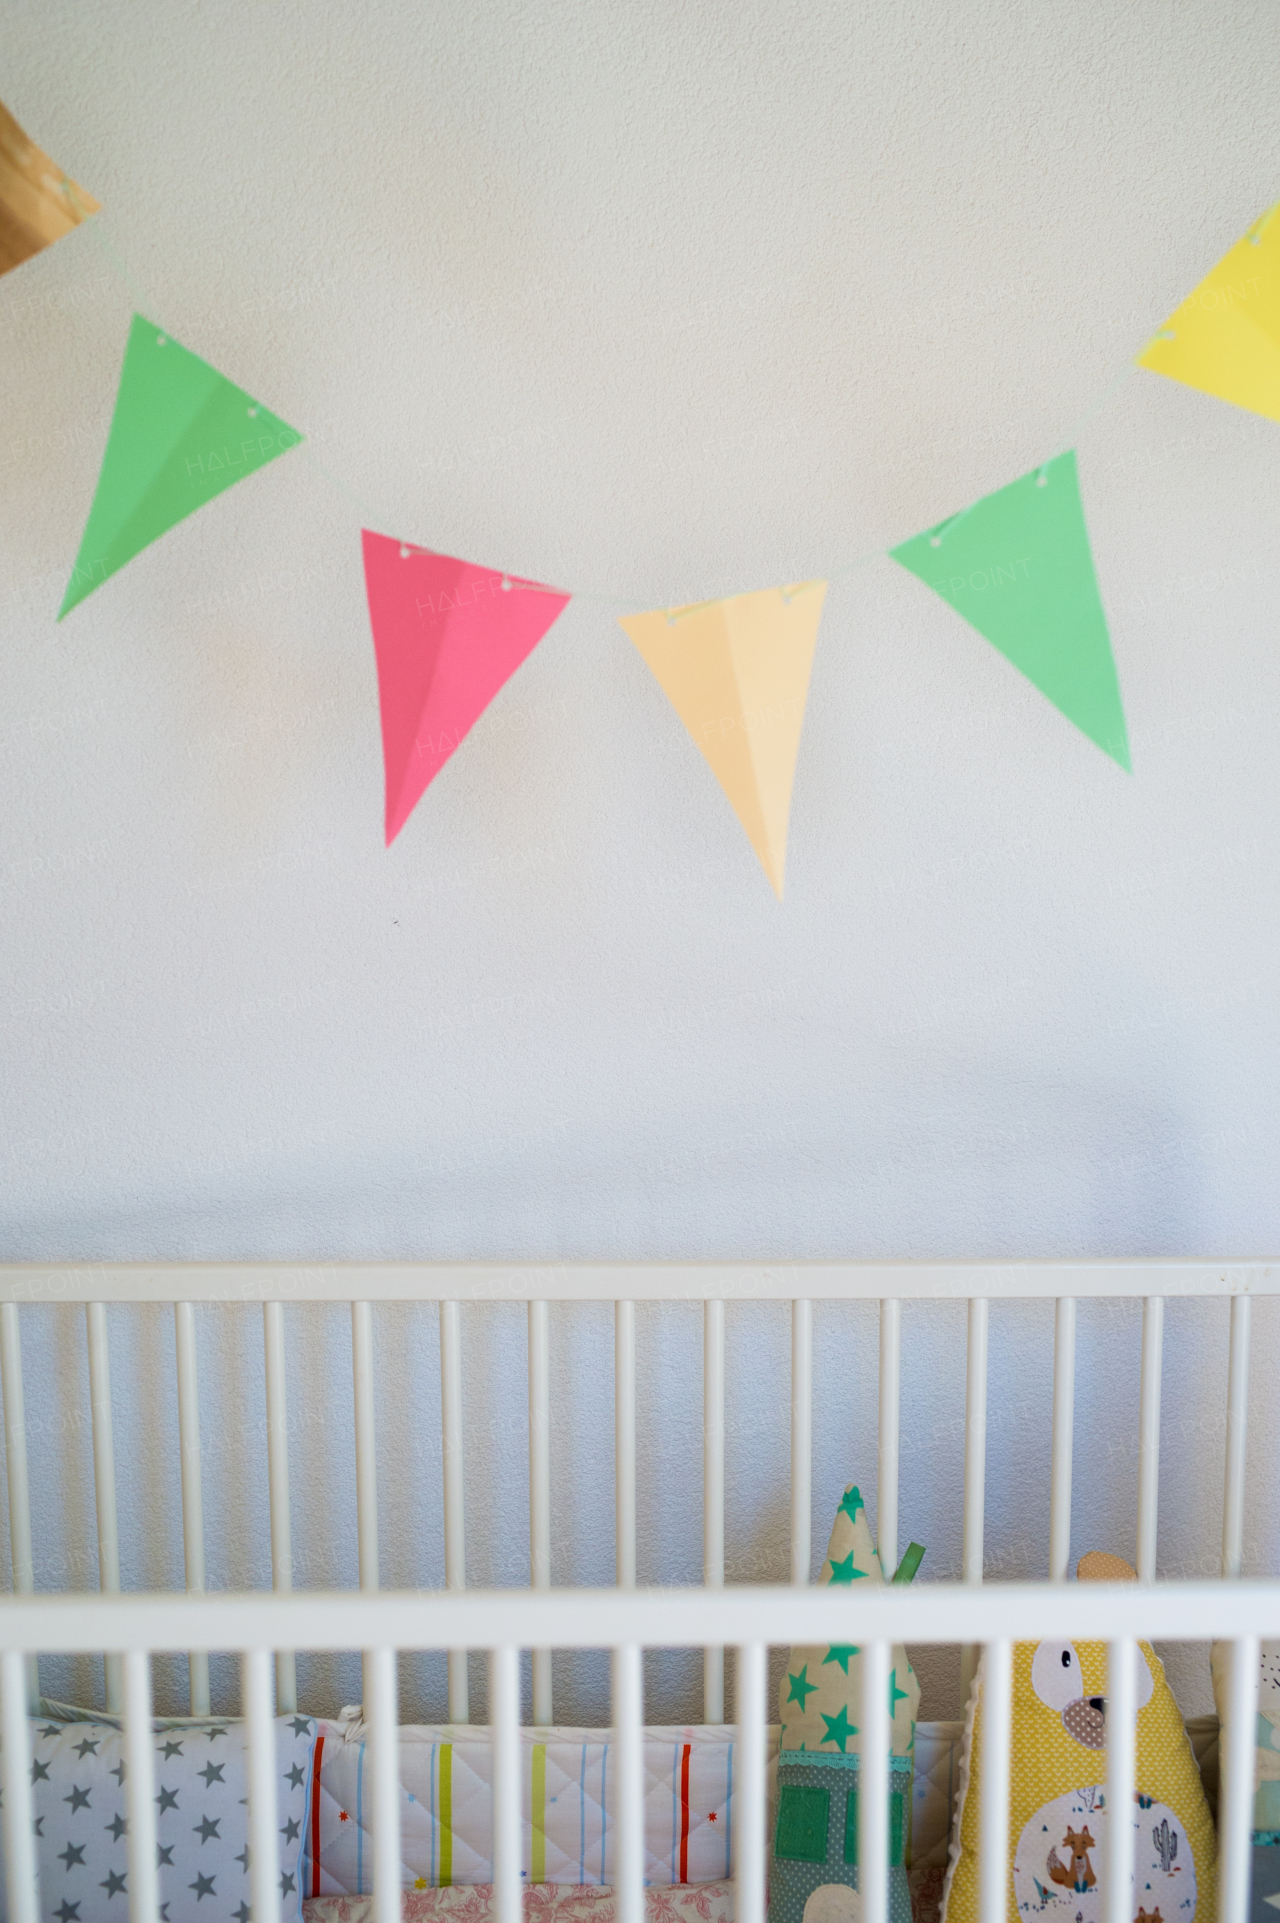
{"points": [[1058, 1816]]}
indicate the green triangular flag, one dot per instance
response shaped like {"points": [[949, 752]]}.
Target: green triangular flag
{"points": [[1017, 565], [181, 433]]}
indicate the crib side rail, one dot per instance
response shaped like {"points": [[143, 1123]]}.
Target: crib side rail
{"points": [[875, 1281], [626, 1621], [626, 1285]]}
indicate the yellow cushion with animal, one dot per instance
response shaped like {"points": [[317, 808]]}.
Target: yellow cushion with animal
{"points": [[1058, 1817]]}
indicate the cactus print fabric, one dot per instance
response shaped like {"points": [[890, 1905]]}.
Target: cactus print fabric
{"points": [[1058, 1817]]}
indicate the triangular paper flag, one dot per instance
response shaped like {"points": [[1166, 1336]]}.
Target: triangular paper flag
{"points": [[447, 636], [1225, 337], [38, 204], [1017, 565], [181, 433], [737, 674]]}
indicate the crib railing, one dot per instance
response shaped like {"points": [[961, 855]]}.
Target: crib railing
{"points": [[713, 1284], [626, 1622]]}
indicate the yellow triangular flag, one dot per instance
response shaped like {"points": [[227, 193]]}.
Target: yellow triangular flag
{"points": [[1225, 337], [737, 674]]}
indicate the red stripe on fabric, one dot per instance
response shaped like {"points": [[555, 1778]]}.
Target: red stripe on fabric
{"points": [[684, 1814], [315, 1819]]}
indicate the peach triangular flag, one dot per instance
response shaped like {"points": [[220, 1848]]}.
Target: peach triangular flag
{"points": [[737, 674], [1225, 337]]}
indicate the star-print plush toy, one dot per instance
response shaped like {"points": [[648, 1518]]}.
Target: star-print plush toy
{"points": [[1059, 1822], [813, 1876]]}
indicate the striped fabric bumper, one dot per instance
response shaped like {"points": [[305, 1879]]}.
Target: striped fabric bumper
{"points": [[446, 1807]]}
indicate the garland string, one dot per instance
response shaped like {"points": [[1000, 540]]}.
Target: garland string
{"points": [[375, 521]]}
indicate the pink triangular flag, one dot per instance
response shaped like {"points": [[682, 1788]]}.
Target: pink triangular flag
{"points": [[447, 636]]}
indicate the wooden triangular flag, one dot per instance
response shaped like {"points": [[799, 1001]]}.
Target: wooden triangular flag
{"points": [[38, 203]]}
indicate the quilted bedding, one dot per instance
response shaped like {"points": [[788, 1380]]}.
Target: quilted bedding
{"points": [[552, 1903], [446, 1806], [446, 1812], [446, 1819], [78, 1772]]}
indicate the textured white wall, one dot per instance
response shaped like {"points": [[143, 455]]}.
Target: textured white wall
{"points": [[656, 302]]}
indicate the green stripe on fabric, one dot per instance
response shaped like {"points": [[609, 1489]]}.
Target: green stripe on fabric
{"points": [[896, 1825], [538, 1805], [446, 1815]]}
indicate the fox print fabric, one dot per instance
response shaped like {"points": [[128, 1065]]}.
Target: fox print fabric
{"points": [[1059, 1822]]}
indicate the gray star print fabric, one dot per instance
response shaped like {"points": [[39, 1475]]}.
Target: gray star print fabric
{"points": [[201, 1819]]}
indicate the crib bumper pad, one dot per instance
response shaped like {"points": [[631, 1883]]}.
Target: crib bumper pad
{"points": [[201, 1824], [446, 1819], [446, 1807]]}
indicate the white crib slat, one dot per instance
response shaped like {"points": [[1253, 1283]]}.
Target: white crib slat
{"points": [[890, 1395], [15, 1449], [801, 1439], [508, 1829], [624, 1422], [713, 1493], [1064, 1413], [104, 1479], [975, 1464], [278, 1489], [366, 1443], [1236, 1816], [184, 1330], [750, 1793], [1122, 1710], [15, 1774], [628, 1717], [260, 1761], [380, 1707], [366, 1463], [540, 1489], [455, 1557], [1237, 1436], [140, 1789], [997, 1702], [1149, 1434], [975, 1440], [873, 1784], [15, 1453], [104, 1455]]}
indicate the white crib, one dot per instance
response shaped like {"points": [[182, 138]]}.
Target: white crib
{"points": [[625, 1620]]}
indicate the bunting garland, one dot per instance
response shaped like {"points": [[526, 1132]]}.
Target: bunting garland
{"points": [[1018, 566], [737, 674], [181, 433], [1225, 337], [448, 634]]}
